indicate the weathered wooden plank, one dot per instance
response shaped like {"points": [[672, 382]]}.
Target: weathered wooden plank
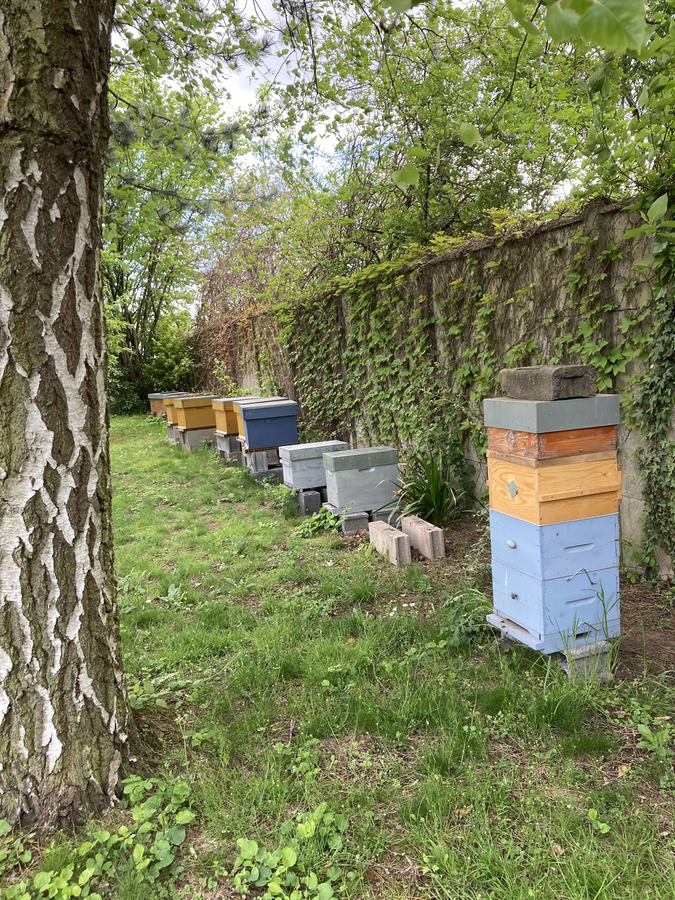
{"points": [[553, 444], [548, 463]]}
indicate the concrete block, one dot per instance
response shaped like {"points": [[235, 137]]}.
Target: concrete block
{"points": [[309, 502], [354, 521], [256, 461], [424, 537], [389, 540], [589, 661], [548, 382], [273, 474], [172, 433], [194, 438], [389, 514], [324, 494], [228, 447], [542, 416]]}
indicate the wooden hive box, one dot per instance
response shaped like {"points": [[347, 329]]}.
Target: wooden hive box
{"points": [[194, 412], [364, 479], [548, 491], [302, 464], [238, 405], [545, 416], [553, 444], [226, 417], [270, 424]]}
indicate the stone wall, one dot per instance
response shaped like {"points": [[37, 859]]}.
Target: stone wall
{"points": [[459, 316]]}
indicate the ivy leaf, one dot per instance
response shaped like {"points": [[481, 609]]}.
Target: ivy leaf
{"points": [[658, 209], [469, 134], [634, 232], [407, 176]]}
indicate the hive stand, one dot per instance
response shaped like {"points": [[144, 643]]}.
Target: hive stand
{"points": [[226, 426], [555, 489]]}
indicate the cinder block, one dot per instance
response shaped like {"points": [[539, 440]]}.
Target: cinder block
{"points": [[548, 382], [273, 474], [309, 502], [542, 416], [194, 438], [256, 461], [389, 540], [172, 433], [588, 661], [228, 447], [389, 514], [354, 521], [424, 537]]}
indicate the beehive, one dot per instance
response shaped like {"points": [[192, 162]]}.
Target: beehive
{"points": [[364, 479], [157, 401], [194, 412], [555, 489], [269, 424], [238, 405], [302, 464], [226, 417]]}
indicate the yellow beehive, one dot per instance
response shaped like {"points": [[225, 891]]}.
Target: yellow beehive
{"points": [[226, 417], [170, 411], [194, 412], [554, 490]]}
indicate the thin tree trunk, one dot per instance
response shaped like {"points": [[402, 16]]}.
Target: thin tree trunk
{"points": [[63, 707]]}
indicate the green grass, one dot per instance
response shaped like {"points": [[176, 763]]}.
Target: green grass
{"points": [[276, 673]]}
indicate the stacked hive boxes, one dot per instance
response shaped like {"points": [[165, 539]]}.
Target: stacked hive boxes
{"points": [[226, 425], [555, 489], [195, 420], [363, 481]]}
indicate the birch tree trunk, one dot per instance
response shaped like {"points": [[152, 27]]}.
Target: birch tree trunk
{"points": [[63, 709]]}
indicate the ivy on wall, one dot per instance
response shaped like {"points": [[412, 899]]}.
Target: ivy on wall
{"points": [[404, 352]]}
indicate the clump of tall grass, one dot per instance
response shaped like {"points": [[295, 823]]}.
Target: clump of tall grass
{"points": [[430, 488]]}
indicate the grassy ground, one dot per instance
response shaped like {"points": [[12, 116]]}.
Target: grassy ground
{"points": [[282, 676]]}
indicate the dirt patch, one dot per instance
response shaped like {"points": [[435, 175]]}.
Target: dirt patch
{"points": [[648, 632]]}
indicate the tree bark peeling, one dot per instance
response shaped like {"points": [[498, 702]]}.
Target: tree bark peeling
{"points": [[63, 706]]}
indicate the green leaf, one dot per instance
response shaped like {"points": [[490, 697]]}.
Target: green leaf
{"points": [[614, 24], [5, 827], [417, 153], [325, 891], [407, 176], [289, 857], [561, 24], [469, 134], [398, 5], [634, 232], [658, 209], [247, 849], [185, 816]]}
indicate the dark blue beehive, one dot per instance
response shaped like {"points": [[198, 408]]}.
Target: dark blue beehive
{"points": [[270, 425]]}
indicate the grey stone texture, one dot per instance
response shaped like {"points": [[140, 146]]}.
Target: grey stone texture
{"points": [[590, 661], [426, 538], [256, 461], [391, 542], [228, 447], [354, 521], [172, 433], [309, 502], [388, 514], [543, 416], [548, 382], [194, 438]]}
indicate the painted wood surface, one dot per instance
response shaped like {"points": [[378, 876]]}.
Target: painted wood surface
{"points": [[548, 463], [555, 551], [553, 444], [553, 494], [170, 411], [554, 643], [542, 416], [557, 605], [270, 432], [194, 416]]}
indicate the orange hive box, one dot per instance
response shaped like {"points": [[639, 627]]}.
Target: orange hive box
{"points": [[557, 490], [194, 412], [552, 444]]}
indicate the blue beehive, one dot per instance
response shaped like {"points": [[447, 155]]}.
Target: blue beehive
{"points": [[558, 583], [555, 582], [270, 424]]}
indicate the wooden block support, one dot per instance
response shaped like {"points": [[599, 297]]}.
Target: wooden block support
{"points": [[389, 540], [426, 538], [554, 493]]}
